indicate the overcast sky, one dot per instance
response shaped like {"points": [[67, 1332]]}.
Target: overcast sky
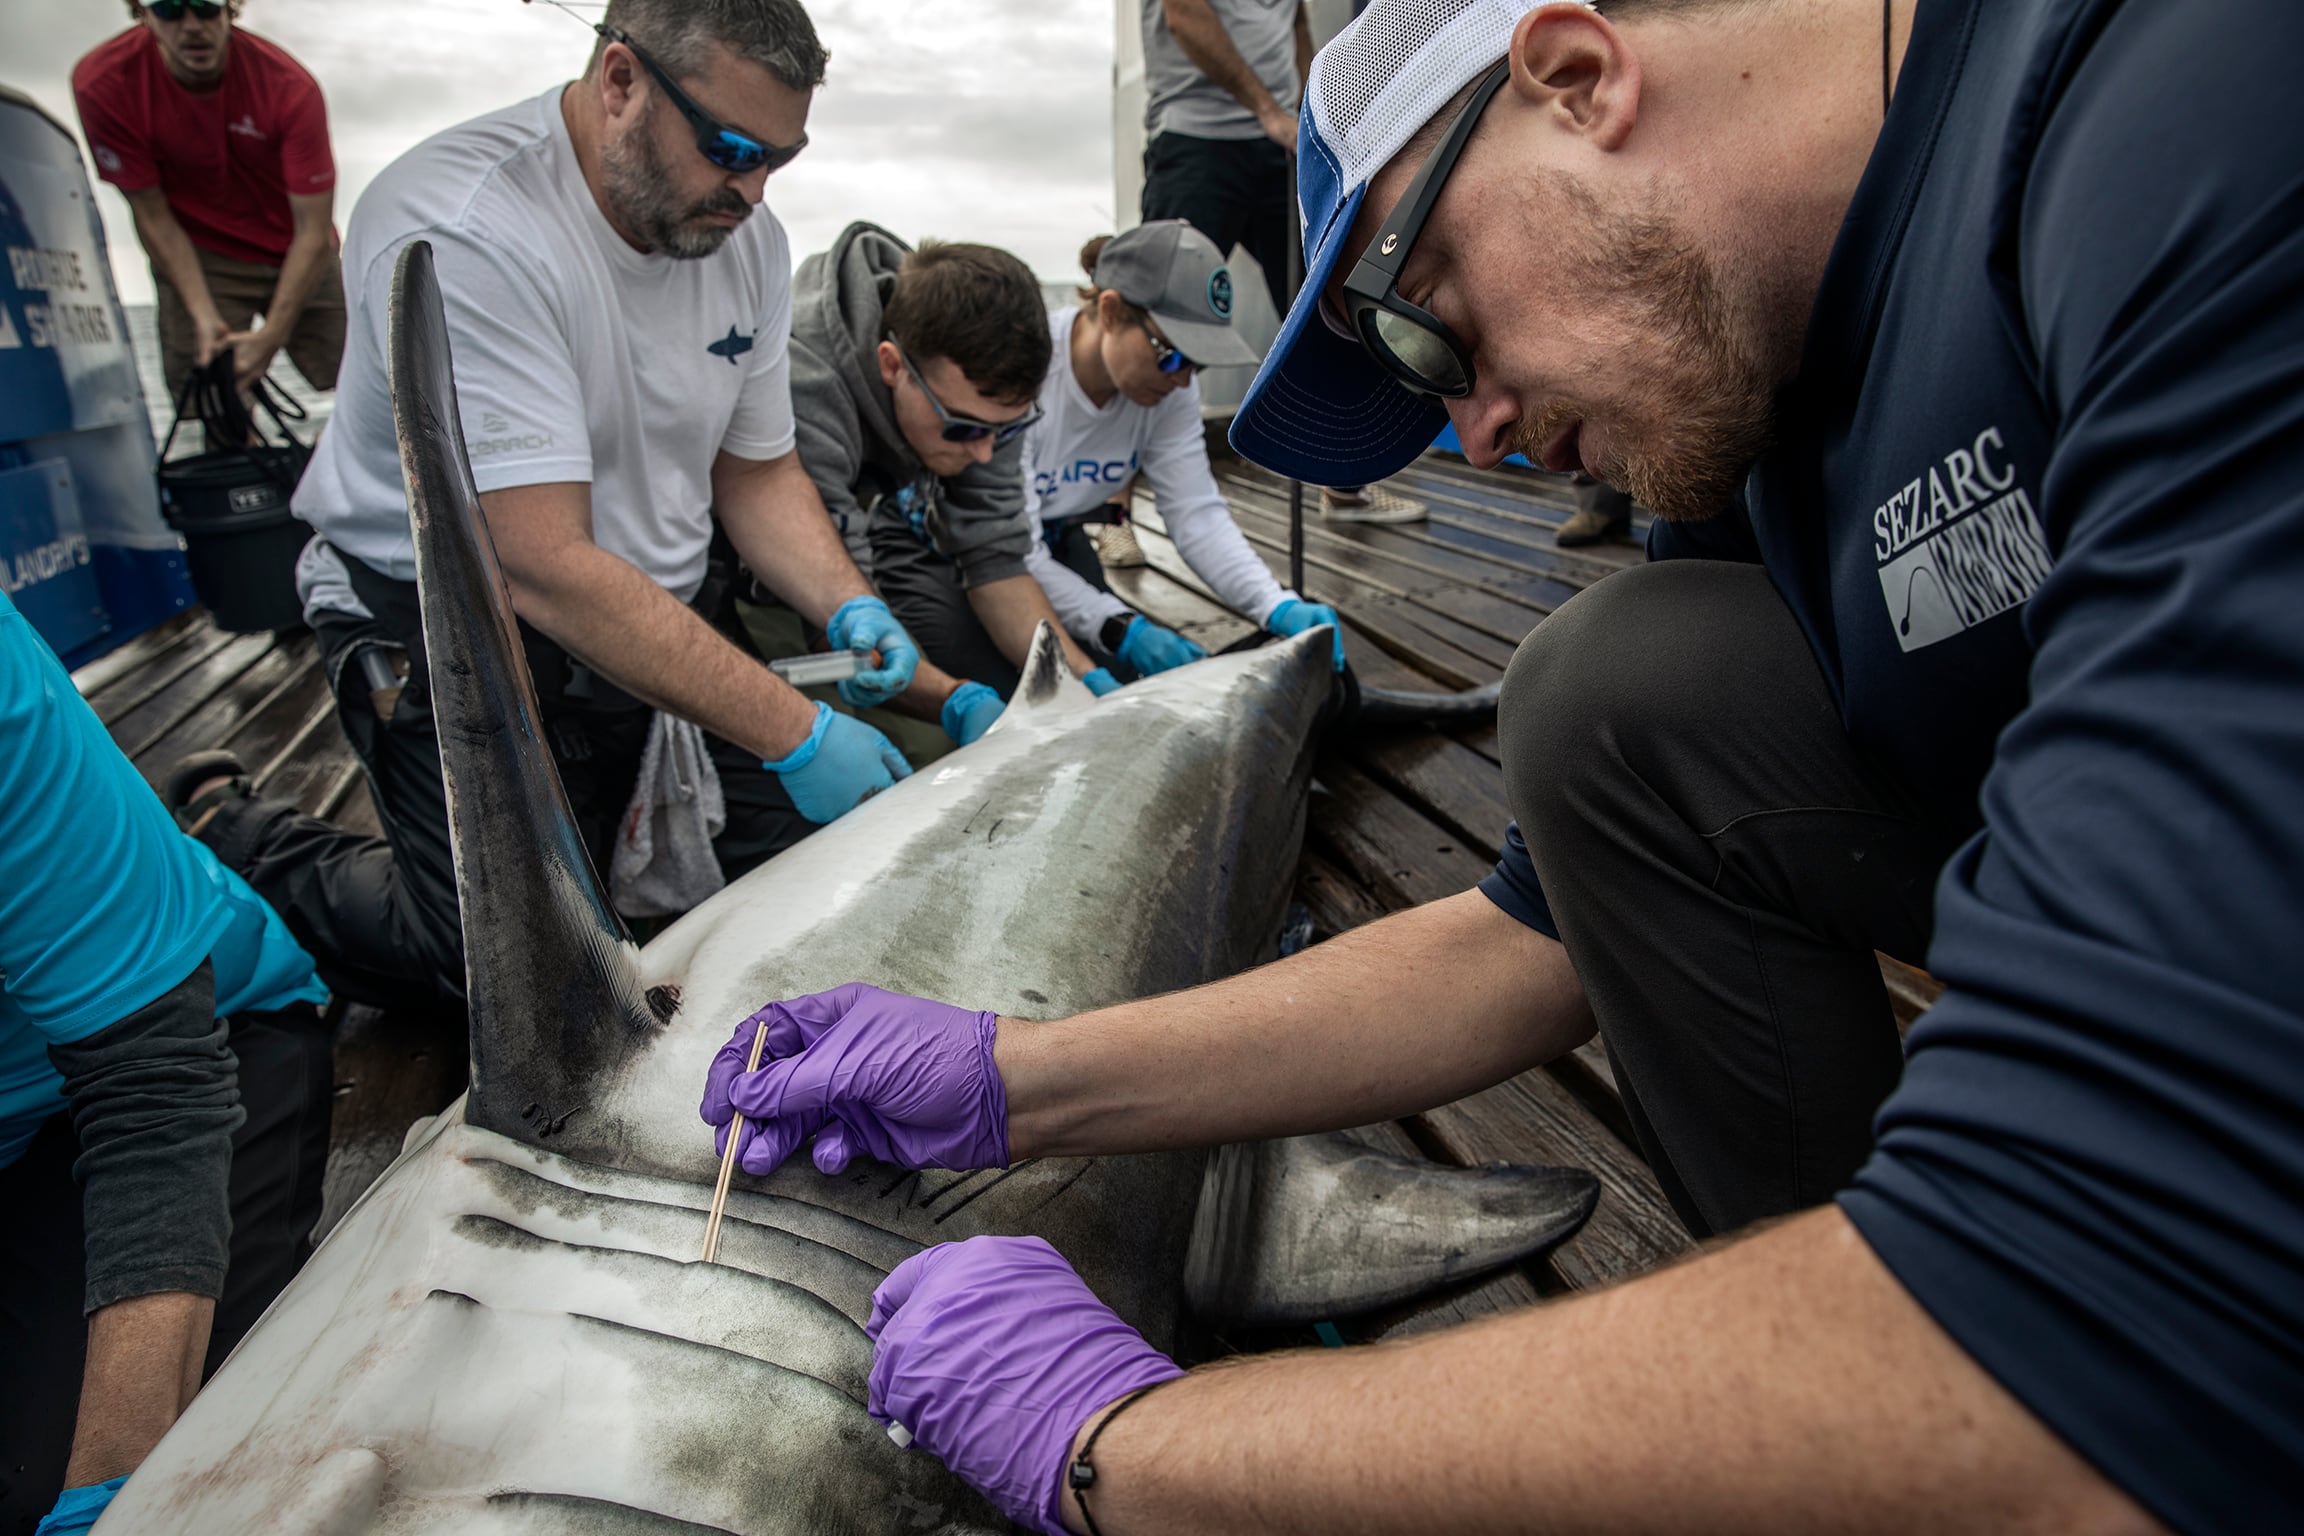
{"points": [[989, 120]]}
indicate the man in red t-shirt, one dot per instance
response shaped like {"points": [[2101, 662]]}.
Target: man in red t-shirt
{"points": [[219, 140]]}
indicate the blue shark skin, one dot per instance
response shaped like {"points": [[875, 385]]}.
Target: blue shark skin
{"points": [[509, 1333]]}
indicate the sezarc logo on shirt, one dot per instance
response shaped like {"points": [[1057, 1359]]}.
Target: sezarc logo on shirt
{"points": [[1094, 471], [1959, 544]]}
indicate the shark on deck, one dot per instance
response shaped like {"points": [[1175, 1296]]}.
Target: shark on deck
{"points": [[509, 1333]]}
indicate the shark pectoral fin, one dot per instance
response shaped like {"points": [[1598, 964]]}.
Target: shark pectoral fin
{"points": [[1047, 685], [1318, 1227]]}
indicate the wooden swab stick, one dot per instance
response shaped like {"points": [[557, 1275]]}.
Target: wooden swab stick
{"points": [[711, 1251]]}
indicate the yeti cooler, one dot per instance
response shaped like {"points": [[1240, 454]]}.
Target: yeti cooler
{"points": [[231, 505]]}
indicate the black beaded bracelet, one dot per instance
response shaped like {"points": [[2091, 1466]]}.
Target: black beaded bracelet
{"points": [[1080, 1476]]}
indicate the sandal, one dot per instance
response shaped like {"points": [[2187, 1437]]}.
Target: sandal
{"points": [[192, 812]]}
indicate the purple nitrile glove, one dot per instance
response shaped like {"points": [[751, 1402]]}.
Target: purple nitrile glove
{"points": [[898, 1078], [993, 1353]]}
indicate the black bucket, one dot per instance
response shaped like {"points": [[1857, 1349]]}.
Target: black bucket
{"points": [[231, 505]]}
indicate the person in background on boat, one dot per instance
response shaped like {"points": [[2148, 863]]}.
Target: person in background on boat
{"points": [[1972, 638], [164, 1098], [1121, 400], [913, 377], [618, 304], [219, 141], [1603, 514], [1222, 79]]}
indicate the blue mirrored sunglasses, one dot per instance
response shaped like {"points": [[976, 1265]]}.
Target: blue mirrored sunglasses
{"points": [[957, 428], [173, 10], [1165, 357], [737, 153]]}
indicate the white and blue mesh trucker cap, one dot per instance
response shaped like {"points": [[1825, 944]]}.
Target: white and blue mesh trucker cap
{"points": [[1321, 409]]}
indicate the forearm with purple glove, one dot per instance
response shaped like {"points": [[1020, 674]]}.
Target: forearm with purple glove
{"points": [[992, 1354], [897, 1078]]}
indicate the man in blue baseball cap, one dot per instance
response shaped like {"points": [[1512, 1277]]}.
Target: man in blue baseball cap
{"points": [[1971, 636]]}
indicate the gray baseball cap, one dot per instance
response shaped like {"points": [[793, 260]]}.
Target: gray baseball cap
{"points": [[1175, 273]]}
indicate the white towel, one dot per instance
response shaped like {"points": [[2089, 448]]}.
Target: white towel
{"points": [[663, 863]]}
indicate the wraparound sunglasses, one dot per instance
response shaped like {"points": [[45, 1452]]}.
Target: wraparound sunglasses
{"points": [[737, 153], [1415, 345], [967, 429]]}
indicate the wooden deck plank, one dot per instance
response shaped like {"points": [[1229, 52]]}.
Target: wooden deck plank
{"points": [[1367, 644], [390, 1069], [216, 717], [137, 654], [1483, 529], [1448, 654], [1398, 854], [1444, 779], [1499, 603], [1338, 903], [183, 668], [1399, 545]]}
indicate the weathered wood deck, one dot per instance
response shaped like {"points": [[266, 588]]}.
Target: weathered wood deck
{"points": [[1396, 818]]}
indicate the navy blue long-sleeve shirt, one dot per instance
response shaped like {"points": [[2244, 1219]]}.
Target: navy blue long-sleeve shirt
{"points": [[2037, 502]]}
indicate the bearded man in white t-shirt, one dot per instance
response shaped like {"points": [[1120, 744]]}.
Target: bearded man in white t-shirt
{"points": [[618, 304]]}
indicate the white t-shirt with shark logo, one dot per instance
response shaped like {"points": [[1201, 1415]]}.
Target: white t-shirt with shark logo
{"points": [[577, 358]]}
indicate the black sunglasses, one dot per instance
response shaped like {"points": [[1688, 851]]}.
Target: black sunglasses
{"points": [[1415, 345], [1165, 357], [967, 429], [735, 152], [173, 10]]}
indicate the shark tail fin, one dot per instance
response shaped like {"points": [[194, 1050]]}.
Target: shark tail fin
{"points": [[549, 969], [1317, 1227], [1047, 685]]}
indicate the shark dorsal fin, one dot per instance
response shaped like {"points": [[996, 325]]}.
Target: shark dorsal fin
{"points": [[549, 968], [1047, 684]]}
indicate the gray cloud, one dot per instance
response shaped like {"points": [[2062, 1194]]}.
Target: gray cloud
{"points": [[990, 121]]}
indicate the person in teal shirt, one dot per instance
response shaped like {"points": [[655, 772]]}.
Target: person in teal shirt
{"points": [[164, 1093]]}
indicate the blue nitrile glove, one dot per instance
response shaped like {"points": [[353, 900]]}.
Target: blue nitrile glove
{"points": [[77, 1508], [866, 622], [1294, 616], [842, 762], [992, 1353], [1149, 648], [970, 711], [1101, 682]]}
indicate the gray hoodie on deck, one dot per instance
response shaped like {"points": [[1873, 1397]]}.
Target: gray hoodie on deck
{"points": [[846, 418]]}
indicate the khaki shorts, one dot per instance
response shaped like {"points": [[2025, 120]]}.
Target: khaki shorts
{"points": [[240, 290]]}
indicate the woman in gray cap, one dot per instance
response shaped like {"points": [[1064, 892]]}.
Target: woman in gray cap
{"points": [[1120, 400]]}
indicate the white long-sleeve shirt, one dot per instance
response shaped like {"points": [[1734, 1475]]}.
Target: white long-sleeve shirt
{"points": [[1078, 454]]}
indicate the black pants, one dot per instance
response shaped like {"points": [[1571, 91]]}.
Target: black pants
{"points": [[1234, 191], [924, 592], [1722, 863], [278, 1157], [380, 914]]}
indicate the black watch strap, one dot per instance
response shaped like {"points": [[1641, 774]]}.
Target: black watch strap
{"points": [[1115, 630]]}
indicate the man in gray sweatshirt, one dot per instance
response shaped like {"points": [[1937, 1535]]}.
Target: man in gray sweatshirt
{"points": [[914, 377]]}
